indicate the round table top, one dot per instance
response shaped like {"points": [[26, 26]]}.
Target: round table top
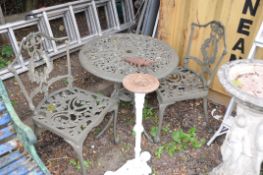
{"points": [[113, 57]]}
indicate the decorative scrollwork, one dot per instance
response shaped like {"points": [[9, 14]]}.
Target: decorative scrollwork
{"points": [[180, 82], [209, 48], [113, 55], [34, 45], [73, 111]]}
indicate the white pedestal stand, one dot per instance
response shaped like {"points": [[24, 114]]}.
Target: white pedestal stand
{"points": [[140, 84], [242, 150]]}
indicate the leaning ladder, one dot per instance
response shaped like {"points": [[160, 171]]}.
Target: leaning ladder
{"points": [[118, 15], [228, 119]]}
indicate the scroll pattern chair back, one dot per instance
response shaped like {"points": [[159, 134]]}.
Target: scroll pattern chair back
{"points": [[34, 46], [185, 83], [211, 55]]}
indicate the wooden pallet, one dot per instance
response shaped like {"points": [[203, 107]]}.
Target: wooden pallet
{"points": [[17, 152]]}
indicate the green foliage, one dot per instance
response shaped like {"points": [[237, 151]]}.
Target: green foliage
{"points": [[65, 81], [166, 129], [6, 53], [14, 102], [180, 141], [153, 131], [3, 62], [126, 147], [148, 112], [159, 151], [76, 164]]}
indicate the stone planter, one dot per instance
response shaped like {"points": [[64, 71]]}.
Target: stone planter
{"points": [[242, 150]]}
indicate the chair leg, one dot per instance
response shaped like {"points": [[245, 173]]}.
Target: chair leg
{"points": [[161, 113], [78, 150], [205, 108], [115, 117], [105, 128], [35, 129]]}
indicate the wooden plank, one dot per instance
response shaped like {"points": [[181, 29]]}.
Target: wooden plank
{"points": [[5, 119], [36, 171], [22, 169], [2, 106], [11, 168], [8, 147], [6, 132], [7, 159]]}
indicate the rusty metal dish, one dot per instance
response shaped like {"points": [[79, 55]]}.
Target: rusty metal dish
{"points": [[140, 83]]}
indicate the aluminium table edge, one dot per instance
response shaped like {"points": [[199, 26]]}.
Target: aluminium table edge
{"points": [[88, 65]]}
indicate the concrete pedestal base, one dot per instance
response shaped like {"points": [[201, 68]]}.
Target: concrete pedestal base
{"points": [[134, 166]]}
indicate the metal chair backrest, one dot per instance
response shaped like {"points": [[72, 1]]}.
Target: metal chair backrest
{"points": [[211, 51], [34, 47]]}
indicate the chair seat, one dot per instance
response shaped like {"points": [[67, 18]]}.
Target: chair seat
{"points": [[72, 113], [182, 84]]}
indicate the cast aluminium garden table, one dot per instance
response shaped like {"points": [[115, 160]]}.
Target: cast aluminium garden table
{"points": [[113, 57]]}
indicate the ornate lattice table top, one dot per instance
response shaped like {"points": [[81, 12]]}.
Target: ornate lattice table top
{"points": [[114, 56]]}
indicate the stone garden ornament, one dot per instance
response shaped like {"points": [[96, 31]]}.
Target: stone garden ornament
{"points": [[242, 150]]}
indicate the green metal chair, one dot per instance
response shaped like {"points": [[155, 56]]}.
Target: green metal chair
{"points": [[186, 84], [69, 112], [17, 152]]}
